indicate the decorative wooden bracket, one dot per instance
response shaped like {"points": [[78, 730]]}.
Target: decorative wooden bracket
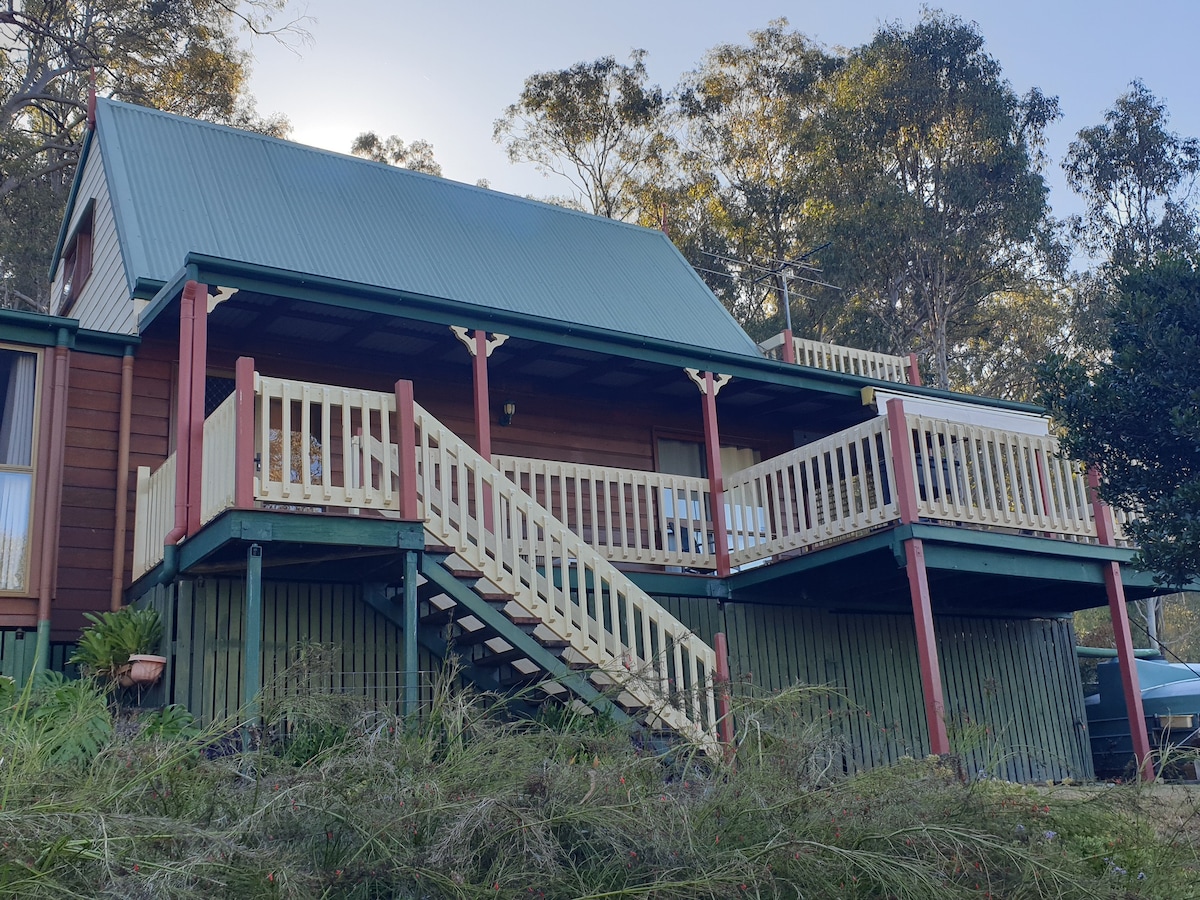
{"points": [[469, 342], [718, 381], [222, 294]]}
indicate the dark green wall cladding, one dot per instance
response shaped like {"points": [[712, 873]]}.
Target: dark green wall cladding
{"points": [[205, 616], [1014, 702], [17, 650]]}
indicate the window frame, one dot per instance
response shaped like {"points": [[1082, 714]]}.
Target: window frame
{"points": [[32, 470], [78, 259]]}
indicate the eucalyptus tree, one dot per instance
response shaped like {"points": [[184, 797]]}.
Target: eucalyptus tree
{"points": [[933, 190], [593, 124], [1136, 177], [183, 57], [415, 155]]}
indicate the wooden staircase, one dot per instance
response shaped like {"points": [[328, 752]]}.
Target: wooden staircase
{"points": [[517, 595]]}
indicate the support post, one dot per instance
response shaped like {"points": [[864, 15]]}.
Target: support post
{"points": [[412, 670], [183, 416], [121, 506], [483, 411], [914, 371], [406, 448], [789, 346], [52, 514], [721, 683], [918, 579], [195, 430], [1119, 612], [243, 474], [252, 635], [716, 482]]}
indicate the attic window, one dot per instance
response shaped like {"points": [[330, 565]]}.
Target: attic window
{"points": [[77, 261]]}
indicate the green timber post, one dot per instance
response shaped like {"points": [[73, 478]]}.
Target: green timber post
{"points": [[411, 662], [252, 634]]}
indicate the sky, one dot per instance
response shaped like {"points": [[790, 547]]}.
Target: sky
{"points": [[444, 70]]}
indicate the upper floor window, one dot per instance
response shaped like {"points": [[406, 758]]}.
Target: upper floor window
{"points": [[77, 261], [18, 433]]}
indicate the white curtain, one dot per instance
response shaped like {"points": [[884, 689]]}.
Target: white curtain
{"points": [[16, 449], [16, 424]]}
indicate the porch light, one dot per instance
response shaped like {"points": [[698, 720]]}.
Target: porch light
{"points": [[510, 410]]}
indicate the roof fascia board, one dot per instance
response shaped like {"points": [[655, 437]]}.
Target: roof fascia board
{"points": [[163, 296], [43, 330], [61, 243]]}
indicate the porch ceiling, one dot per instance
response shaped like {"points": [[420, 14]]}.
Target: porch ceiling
{"points": [[265, 325]]}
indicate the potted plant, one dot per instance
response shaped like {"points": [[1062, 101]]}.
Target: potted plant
{"points": [[121, 646]]}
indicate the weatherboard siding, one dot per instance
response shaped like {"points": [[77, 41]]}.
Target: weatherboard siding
{"points": [[104, 303]]}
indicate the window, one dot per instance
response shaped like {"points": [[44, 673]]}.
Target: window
{"points": [[18, 430], [77, 261]]}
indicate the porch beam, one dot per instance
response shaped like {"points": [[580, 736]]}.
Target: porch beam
{"points": [[710, 386], [243, 476], [1119, 612]]}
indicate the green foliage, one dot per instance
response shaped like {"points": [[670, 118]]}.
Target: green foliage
{"points": [[467, 803], [171, 723], [183, 57], [106, 644], [417, 156], [1135, 175], [594, 124], [1136, 415]]}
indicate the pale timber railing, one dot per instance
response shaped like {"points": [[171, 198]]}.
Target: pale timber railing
{"points": [[836, 358], [999, 479], [823, 491], [625, 515], [154, 514], [220, 460], [557, 578]]}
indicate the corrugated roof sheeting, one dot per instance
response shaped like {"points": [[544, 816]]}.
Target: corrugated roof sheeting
{"points": [[183, 186]]}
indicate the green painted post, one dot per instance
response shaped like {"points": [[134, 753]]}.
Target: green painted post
{"points": [[252, 634], [411, 663]]}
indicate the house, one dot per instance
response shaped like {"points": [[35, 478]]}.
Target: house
{"points": [[288, 395]]}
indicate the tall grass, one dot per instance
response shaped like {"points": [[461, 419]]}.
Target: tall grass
{"points": [[336, 800]]}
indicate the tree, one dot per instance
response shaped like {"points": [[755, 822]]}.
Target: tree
{"points": [[182, 57], [749, 153], [934, 199], [592, 123], [1135, 416], [1136, 178], [417, 156]]}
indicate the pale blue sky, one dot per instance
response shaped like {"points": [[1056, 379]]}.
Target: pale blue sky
{"points": [[444, 70]]}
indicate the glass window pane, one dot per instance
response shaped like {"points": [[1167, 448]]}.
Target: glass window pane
{"points": [[18, 393], [15, 490]]}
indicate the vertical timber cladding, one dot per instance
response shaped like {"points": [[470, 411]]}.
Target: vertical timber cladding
{"points": [[360, 652], [1014, 702]]}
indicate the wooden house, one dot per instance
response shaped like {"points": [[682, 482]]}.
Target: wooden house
{"points": [[291, 396]]}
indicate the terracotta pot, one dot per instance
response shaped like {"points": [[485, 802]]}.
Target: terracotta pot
{"points": [[144, 668]]}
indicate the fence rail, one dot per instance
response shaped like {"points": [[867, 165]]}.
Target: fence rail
{"points": [[220, 460], [836, 358], [625, 515], [988, 477], [829, 489]]}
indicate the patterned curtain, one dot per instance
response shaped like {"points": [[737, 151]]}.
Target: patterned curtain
{"points": [[16, 449]]}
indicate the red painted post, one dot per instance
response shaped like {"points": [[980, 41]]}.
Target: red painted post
{"points": [[927, 655], [183, 418], [1122, 635], [721, 683], [789, 346], [716, 481], [406, 445], [914, 371], [899, 436], [483, 413], [195, 433], [243, 474]]}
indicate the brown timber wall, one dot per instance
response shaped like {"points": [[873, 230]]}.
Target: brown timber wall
{"points": [[1014, 701]]}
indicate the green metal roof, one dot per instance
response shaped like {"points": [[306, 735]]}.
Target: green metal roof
{"points": [[181, 186]]}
